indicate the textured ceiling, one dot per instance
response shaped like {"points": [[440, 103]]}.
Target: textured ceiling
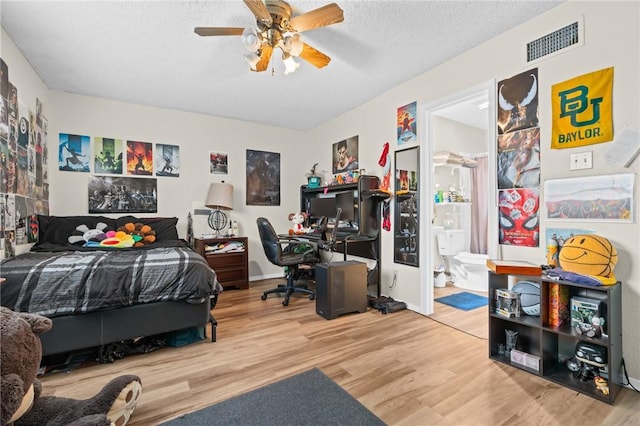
{"points": [[146, 52]]}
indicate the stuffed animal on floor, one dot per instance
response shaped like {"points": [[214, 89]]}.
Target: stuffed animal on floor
{"points": [[22, 404]]}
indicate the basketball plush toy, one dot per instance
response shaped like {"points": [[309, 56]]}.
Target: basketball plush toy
{"points": [[590, 255]]}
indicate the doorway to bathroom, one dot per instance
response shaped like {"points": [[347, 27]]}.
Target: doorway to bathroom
{"points": [[459, 165]]}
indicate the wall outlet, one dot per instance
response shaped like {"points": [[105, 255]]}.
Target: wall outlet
{"points": [[582, 160]]}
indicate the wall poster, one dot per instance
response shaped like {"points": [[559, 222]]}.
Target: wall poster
{"points": [[24, 174], [518, 102], [345, 155], [593, 198], [263, 178], [518, 211], [107, 156], [73, 153], [167, 160], [518, 167], [139, 158], [218, 163], [582, 110], [519, 159], [111, 194], [406, 124]]}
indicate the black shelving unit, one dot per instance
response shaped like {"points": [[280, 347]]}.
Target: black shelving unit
{"points": [[367, 208], [554, 345]]}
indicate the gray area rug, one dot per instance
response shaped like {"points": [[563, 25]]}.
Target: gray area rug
{"points": [[309, 398]]}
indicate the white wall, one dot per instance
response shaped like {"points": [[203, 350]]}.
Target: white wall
{"points": [[611, 39], [197, 135]]}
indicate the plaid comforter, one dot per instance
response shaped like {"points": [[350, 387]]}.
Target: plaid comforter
{"points": [[75, 282]]}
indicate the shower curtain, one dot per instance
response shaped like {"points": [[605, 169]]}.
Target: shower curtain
{"points": [[479, 206]]}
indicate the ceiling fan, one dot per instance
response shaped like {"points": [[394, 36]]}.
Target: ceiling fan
{"points": [[277, 29]]}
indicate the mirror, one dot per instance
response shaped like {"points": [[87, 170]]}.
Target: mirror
{"points": [[406, 245]]}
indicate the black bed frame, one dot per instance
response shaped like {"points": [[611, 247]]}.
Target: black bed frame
{"points": [[74, 332]]}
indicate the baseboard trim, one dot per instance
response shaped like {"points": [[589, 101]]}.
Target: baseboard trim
{"points": [[266, 277]]}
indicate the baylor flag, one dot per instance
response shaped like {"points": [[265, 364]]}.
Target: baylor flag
{"points": [[581, 110]]}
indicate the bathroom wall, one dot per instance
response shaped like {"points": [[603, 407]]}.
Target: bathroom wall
{"points": [[463, 140]]}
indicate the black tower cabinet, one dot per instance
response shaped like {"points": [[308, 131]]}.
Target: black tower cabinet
{"points": [[341, 288]]}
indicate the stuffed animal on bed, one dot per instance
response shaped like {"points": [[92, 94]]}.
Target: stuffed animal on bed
{"points": [[22, 404], [94, 235], [141, 233]]}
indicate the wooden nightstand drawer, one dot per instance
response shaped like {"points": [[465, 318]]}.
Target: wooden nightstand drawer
{"points": [[227, 275], [225, 260], [232, 269]]}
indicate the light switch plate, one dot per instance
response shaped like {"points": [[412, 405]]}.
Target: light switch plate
{"points": [[582, 160]]}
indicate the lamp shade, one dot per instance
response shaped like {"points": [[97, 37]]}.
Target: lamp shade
{"points": [[220, 196]]}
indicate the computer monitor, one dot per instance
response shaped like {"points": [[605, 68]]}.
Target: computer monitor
{"points": [[346, 201], [322, 206]]}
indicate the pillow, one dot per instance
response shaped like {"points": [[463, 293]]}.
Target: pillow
{"points": [[57, 229], [165, 227]]}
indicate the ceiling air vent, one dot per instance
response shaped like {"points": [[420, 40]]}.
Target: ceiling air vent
{"points": [[558, 41]]}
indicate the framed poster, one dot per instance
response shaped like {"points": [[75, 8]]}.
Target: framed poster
{"points": [[263, 178]]}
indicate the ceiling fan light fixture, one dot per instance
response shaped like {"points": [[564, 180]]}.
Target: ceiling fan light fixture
{"points": [[293, 45], [275, 27], [289, 64], [252, 59], [251, 39]]}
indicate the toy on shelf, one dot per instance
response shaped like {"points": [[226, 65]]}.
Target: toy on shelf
{"points": [[590, 255]]}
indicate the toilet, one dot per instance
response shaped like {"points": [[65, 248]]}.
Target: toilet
{"points": [[468, 270]]}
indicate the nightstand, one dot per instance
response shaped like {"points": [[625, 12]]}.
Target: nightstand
{"points": [[231, 268]]}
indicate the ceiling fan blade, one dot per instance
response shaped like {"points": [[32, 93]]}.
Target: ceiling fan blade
{"points": [[265, 58], [218, 31], [259, 9], [314, 56], [321, 17]]}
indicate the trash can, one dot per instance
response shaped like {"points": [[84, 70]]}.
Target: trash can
{"points": [[439, 278]]}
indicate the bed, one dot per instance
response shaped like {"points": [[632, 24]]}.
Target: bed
{"points": [[99, 295]]}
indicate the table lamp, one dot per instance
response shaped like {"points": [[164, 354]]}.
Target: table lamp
{"points": [[220, 197]]}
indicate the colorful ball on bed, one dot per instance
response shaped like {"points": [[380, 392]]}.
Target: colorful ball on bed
{"points": [[591, 255]]}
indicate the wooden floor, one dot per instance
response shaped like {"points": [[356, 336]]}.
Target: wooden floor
{"points": [[474, 322], [406, 368]]}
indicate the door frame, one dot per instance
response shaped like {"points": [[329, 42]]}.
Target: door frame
{"points": [[427, 236]]}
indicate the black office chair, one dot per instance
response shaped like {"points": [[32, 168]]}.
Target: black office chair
{"points": [[289, 252]]}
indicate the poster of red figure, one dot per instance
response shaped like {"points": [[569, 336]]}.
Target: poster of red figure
{"points": [[139, 158]]}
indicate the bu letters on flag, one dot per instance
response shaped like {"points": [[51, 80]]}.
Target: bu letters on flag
{"points": [[581, 110]]}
